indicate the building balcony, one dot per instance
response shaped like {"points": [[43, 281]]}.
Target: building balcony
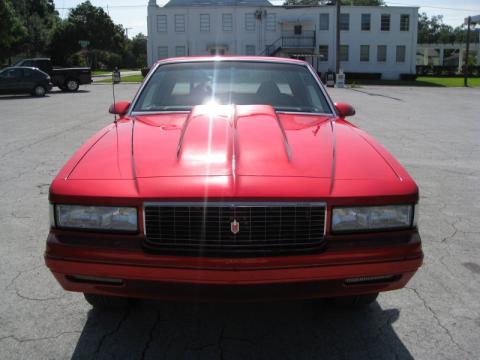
{"points": [[304, 40], [291, 42]]}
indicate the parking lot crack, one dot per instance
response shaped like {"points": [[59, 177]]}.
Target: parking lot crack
{"points": [[150, 335], [25, 340], [113, 332], [14, 215], [376, 94], [20, 149], [437, 319], [24, 297], [220, 342], [454, 232], [20, 273]]}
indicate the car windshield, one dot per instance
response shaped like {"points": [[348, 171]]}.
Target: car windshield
{"points": [[180, 86]]}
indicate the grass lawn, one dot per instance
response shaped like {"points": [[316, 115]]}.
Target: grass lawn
{"points": [[421, 81], [449, 81], [105, 72], [130, 78], [101, 72]]}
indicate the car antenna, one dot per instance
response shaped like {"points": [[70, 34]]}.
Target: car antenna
{"points": [[116, 78]]}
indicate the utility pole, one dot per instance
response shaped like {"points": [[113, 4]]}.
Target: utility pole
{"points": [[337, 41], [467, 53], [126, 30]]}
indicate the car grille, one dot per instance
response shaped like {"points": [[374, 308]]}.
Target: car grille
{"points": [[211, 228]]}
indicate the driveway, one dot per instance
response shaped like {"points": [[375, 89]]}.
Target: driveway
{"points": [[434, 132]]}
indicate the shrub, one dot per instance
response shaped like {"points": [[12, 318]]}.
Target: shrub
{"points": [[145, 71], [77, 59], [408, 77], [362, 76]]}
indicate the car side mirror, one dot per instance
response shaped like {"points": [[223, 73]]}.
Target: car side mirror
{"points": [[344, 110], [119, 108]]}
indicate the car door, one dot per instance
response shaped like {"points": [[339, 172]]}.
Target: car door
{"points": [[12, 81], [30, 78], [2, 82]]}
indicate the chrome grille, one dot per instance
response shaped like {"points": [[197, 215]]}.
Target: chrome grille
{"points": [[207, 228]]}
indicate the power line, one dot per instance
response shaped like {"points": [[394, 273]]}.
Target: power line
{"points": [[392, 3], [435, 7], [109, 6]]}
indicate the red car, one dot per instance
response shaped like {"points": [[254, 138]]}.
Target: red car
{"points": [[233, 179]]}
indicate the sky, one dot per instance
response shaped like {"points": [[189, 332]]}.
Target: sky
{"points": [[132, 14]]}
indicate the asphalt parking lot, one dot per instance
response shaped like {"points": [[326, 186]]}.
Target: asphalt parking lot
{"points": [[434, 132]]}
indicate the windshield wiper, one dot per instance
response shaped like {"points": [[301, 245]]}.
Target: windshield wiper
{"points": [[307, 109], [167, 108]]}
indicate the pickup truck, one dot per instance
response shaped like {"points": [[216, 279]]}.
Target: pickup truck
{"points": [[67, 79]]}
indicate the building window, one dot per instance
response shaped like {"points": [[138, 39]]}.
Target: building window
{"points": [[323, 52], [382, 53], [364, 53], [180, 51], [344, 21], [404, 22], [366, 19], [271, 23], [204, 22], [343, 52], [324, 21], [297, 29], [250, 22], [162, 52], [401, 49], [227, 22], [385, 22], [161, 23], [180, 23], [250, 50]]}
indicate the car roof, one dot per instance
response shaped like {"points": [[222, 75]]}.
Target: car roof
{"points": [[267, 59], [23, 67]]}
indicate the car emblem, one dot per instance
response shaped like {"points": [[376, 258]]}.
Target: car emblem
{"points": [[235, 227]]}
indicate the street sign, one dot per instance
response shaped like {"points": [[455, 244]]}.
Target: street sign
{"points": [[84, 43], [340, 79], [116, 78], [473, 20]]}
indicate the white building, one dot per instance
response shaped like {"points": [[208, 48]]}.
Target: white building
{"points": [[374, 39]]}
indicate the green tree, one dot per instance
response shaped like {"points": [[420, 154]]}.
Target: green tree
{"points": [[139, 50], [88, 23], [12, 31], [433, 31], [39, 17]]}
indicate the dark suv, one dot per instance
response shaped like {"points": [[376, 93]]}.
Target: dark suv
{"points": [[24, 80]]}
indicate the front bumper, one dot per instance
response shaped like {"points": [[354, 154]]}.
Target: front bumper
{"points": [[130, 273]]}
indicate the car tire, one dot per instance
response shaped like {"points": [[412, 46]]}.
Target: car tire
{"points": [[72, 85], [355, 302], [39, 91], [105, 302]]}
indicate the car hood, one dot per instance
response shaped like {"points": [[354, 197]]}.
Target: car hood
{"points": [[232, 141], [241, 152]]}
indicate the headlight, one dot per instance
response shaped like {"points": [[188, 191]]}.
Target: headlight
{"points": [[364, 218], [103, 218]]}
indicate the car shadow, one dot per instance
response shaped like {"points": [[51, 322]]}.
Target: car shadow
{"points": [[60, 92], [275, 330], [22, 97]]}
